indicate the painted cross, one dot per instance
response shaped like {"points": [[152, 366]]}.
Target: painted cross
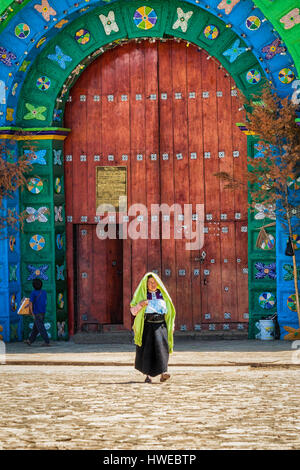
{"points": [[58, 214], [60, 273], [57, 157], [37, 272], [60, 57], [182, 20], [37, 214]]}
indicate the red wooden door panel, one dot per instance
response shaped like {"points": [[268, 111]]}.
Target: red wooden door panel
{"points": [[100, 278], [168, 114]]}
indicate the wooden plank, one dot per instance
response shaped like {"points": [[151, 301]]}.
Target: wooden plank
{"points": [[196, 168], [239, 141], [99, 294], [84, 274], [167, 164], [212, 189], [68, 177], [122, 141], [227, 229], [138, 167], [181, 179], [152, 150], [94, 134]]}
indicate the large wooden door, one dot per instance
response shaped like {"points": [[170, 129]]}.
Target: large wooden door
{"points": [[167, 112]]}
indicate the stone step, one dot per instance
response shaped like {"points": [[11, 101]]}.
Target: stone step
{"points": [[126, 336]]}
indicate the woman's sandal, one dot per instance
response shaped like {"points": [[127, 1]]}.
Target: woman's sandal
{"points": [[148, 380], [164, 377]]}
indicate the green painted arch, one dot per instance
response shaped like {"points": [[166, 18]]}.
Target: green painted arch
{"points": [[39, 108], [273, 12]]}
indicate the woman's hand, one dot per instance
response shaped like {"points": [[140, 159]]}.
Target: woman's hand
{"points": [[143, 303]]}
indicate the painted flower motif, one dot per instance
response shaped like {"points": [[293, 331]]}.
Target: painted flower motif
{"points": [[60, 57], [7, 57], [265, 211], [234, 52], [265, 270], [57, 115], [45, 9], [227, 5], [35, 113], [109, 23], [291, 19], [182, 20], [272, 49]]}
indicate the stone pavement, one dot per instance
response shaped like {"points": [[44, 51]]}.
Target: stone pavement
{"points": [[186, 352], [221, 395]]}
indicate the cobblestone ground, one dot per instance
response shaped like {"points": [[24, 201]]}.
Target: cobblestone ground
{"points": [[75, 407]]}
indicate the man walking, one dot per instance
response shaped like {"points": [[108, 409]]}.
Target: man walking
{"points": [[37, 306]]}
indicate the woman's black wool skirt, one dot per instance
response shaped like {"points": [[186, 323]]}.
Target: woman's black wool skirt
{"points": [[153, 356]]}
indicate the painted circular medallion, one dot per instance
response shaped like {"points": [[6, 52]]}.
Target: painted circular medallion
{"points": [[59, 241], [145, 18], [253, 76], [286, 76], [13, 302], [57, 185], [12, 243], [37, 242], [35, 185], [82, 36], [268, 243], [267, 300], [253, 23], [211, 32], [43, 83], [60, 300], [291, 302], [22, 31], [296, 241]]}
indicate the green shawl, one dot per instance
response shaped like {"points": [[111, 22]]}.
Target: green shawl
{"points": [[141, 294]]}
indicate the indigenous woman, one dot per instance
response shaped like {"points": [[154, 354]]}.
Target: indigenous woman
{"points": [[153, 327]]}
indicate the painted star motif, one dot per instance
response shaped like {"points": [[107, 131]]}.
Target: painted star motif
{"points": [[272, 49], [45, 9], [109, 23], [227, 5], [182, 21], [60, 57], [234, 51]]}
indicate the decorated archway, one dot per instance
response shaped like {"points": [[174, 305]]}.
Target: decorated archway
{"points": [[40, 68]]}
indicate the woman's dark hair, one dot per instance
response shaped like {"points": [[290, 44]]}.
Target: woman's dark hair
{"points": [[37, 284]]}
